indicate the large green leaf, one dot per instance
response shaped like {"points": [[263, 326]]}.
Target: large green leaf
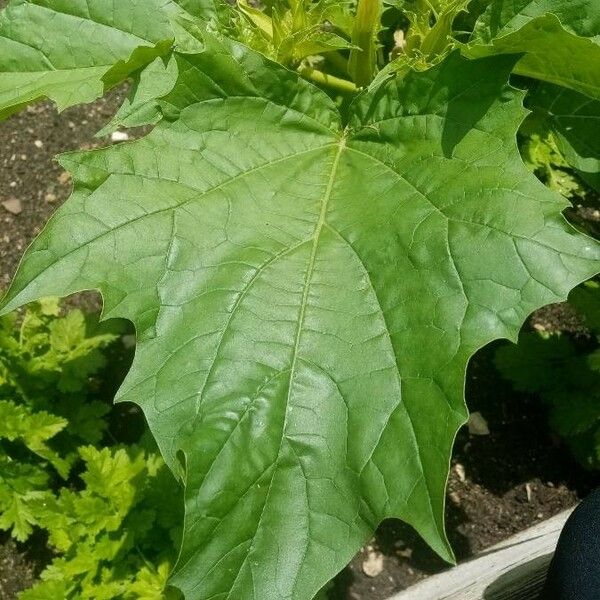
{"points": [[559, 40], [306, 295], [574, 119], [70, 51]]}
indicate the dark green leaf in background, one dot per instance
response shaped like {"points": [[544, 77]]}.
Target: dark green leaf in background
{"points": [[503, 17], [71, 51], [574, 119], [559, 40]]}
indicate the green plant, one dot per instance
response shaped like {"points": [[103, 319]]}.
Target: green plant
{"points": [[308, 267], [109, 513], [565, 375], [563, 133], [115, 538], [45, 364]]}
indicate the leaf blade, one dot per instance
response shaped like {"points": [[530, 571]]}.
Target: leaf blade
{"points": [[343, 280]]}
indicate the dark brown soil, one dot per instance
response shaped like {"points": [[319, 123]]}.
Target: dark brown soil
{"points": [[560, 317], [500, 483], [29, 141], [16, 571]]}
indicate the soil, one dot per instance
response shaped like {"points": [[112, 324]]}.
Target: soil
{"points": [[29, 143], [16, 571], [500, 483]]}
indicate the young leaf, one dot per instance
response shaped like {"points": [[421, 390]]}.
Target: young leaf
{"points": [[104, 534], [438, 37], [540, 153], [560, 40], [257, 17], [306, 297], [17, 514], [21, 486], [311, 41]]}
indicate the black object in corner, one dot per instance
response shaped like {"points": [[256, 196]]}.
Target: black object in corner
{"points": [[574, 572]]}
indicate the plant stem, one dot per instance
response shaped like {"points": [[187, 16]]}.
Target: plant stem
{"points": [[363, 59], [342, 85]]}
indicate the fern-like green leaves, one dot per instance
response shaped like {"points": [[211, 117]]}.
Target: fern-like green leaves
{"points": [[101, 534], [112, 515], [45, 363]]}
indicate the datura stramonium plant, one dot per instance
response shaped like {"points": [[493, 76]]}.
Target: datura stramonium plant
{"points": [[314, 238]]}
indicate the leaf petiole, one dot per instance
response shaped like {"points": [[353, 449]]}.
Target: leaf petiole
{"points": [[321, 78]]}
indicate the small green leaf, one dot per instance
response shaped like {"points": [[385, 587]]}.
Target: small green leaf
{"points": [[142, 105], [34, 430], [257, 17], [21, 485], [108, 473], [312, 41], [17, 515], [437, 39], [150, 584], [49, 307], [541, 154]]}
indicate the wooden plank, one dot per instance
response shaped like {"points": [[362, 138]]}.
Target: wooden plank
{"points": [[512, 570]]}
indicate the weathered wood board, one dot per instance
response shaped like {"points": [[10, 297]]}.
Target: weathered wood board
{"points": [[512, 570]]}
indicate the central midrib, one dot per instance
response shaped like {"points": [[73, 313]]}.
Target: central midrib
{"points": [[313, 254], [307, 282]]}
